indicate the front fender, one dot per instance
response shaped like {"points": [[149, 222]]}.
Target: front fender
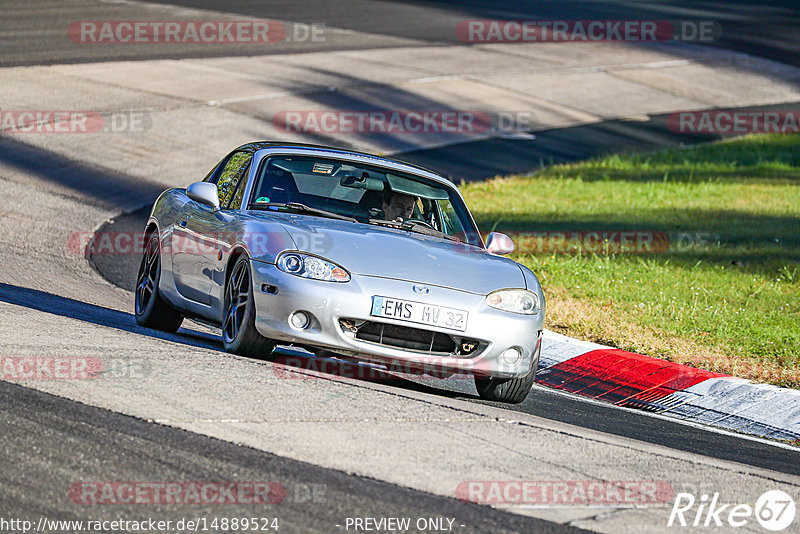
{"points": [[264, 240], [261, 240]]}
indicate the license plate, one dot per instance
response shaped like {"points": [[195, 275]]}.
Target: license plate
{"points": [[420, 313]]}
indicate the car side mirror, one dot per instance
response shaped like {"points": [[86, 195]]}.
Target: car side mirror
{"points": [[204, 193], [499, 244]]}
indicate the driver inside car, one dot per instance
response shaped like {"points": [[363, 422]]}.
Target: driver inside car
{"points": [[398, 207]]}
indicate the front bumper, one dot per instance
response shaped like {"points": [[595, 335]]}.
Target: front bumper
{"points": [[278, 295]]}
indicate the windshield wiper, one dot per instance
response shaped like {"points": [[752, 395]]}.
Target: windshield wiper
{"points": [[302, 208], [384, 222], [413, 226], [421, 228]]}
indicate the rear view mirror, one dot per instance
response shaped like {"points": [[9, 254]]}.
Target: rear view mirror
{"points": [[499, 244], [365, 183], [205, 193]]}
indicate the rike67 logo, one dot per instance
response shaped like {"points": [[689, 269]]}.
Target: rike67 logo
{"points": [[774, 510]]}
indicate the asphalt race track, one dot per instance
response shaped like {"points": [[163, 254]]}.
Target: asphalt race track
{"points": [[384, 448], [767, 28], [143, 451]]}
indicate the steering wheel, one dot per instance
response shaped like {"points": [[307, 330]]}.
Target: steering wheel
{"points": [[422, 222]]}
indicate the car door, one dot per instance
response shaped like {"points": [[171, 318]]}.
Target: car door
{"points": [[199, 233]]}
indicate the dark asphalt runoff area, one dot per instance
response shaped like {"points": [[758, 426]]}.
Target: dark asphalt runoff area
{"points": [[767, 28], [53, 446]]}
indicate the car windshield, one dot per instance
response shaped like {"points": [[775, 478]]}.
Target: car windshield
{"points": [[366, 193]]}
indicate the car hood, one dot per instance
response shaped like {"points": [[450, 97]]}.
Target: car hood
{"points": [[370, 250]]}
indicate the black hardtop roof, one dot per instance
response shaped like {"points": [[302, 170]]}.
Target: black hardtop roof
{"points": [[259, 145]]}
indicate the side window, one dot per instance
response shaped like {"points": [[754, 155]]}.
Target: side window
{"points": [[231, 175], [238, 195], [450, 220]]}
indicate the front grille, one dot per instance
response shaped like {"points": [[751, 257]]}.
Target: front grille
{"points": [[405, 337]]}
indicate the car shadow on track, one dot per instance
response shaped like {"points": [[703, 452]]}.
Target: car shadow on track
{"points": [[61, 174], [75, 309], [292, 365], [289, 364]]}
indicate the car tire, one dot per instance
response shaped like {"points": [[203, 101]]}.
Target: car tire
{"points": [[509, 390], [239, 334], [151, 310]]}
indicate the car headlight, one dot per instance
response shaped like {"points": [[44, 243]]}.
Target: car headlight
{"points": [[308, 266], [514, 301]]}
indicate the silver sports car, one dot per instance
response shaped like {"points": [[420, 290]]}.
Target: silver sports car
{"points": [[345, 254]]}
